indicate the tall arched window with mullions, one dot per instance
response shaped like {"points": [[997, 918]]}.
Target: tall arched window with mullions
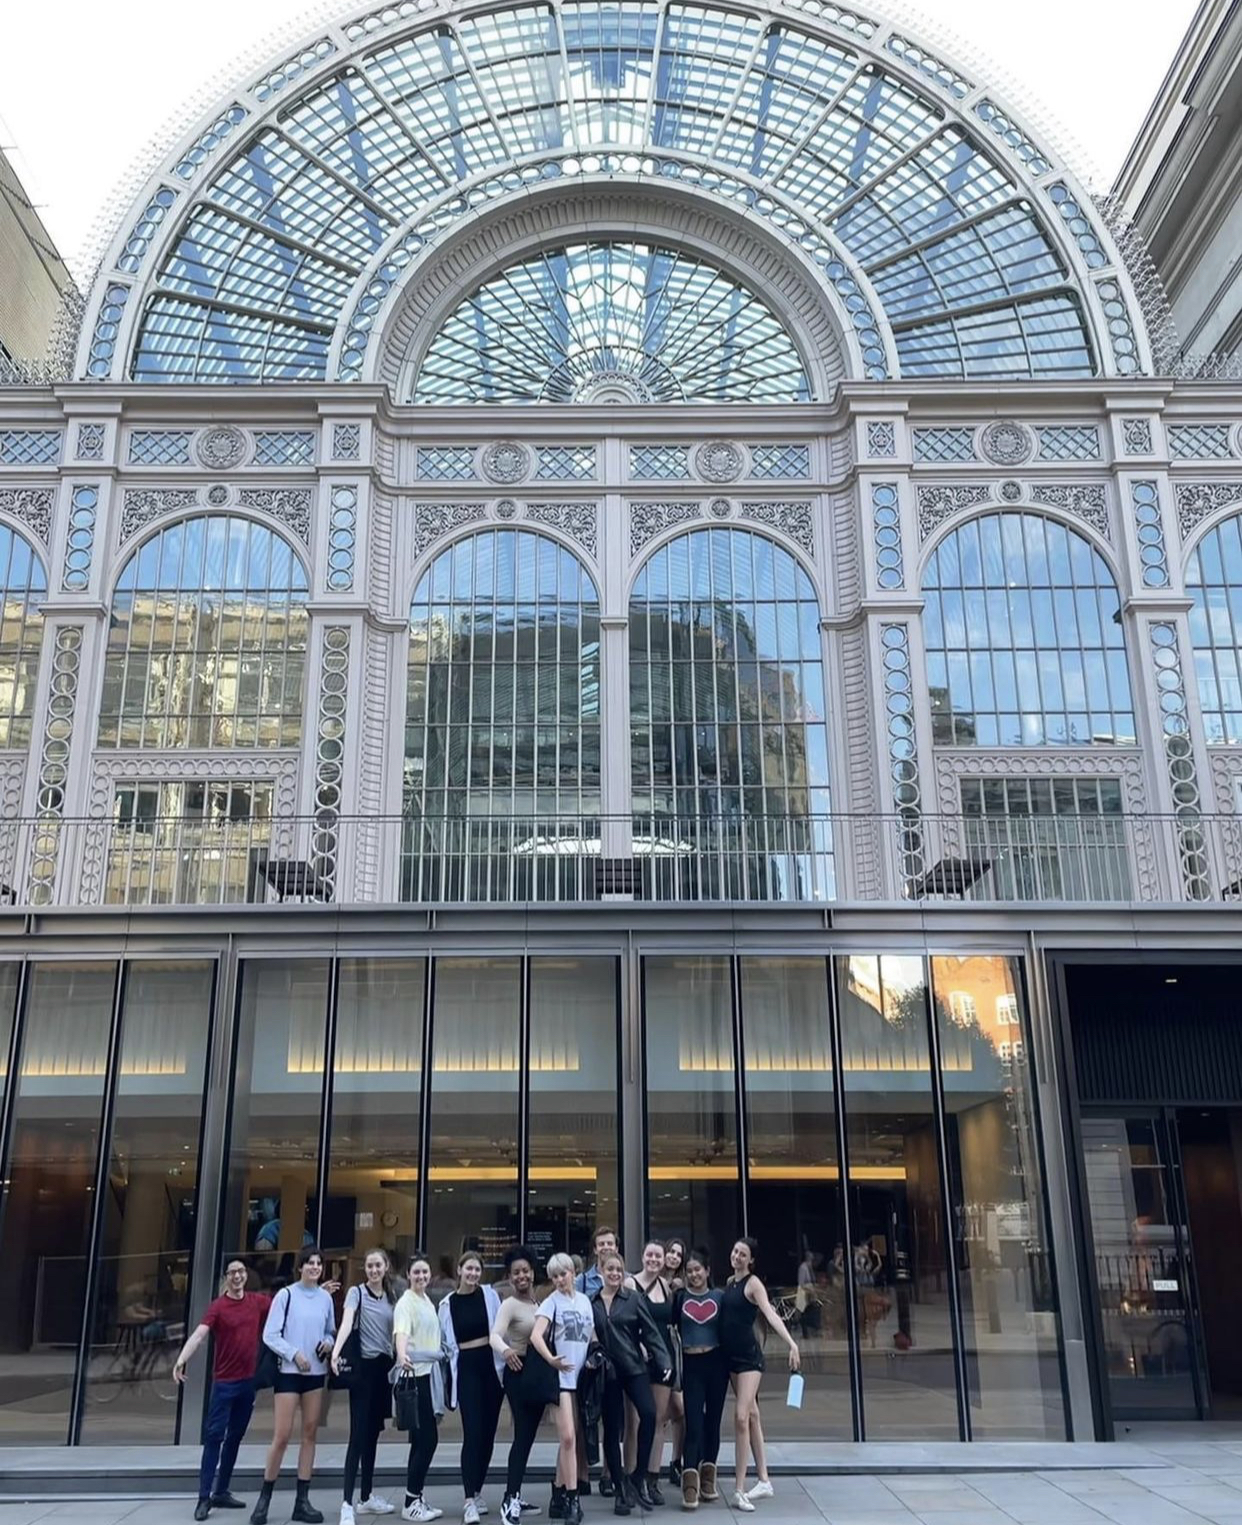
{"points": [[1214, 582], [23, 587], [728, 720], [207, 640], [502, 731], [1022, 625]]}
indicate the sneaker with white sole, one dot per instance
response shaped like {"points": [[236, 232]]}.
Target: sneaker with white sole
{"points": [[420, 1510], [347, 1513], [528, 1507], [511, 1509], [376, 1504], [480, 1503], [761, 1490], [470, 1514], [742, 1504]]}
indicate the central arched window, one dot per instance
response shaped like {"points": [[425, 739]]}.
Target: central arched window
{"points": [[207, 640], [1214, 582], [1022, 624], [727, 681], [611, 322], [23, 586], [503, 706]]}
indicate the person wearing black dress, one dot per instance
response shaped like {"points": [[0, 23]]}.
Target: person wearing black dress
{"points": [[633, 1345]]}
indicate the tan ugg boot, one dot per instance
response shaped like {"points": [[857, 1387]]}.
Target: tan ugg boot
{"points": [[707, 1482], [689, 1488]]}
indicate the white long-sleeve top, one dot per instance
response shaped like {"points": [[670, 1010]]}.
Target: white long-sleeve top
{"points": [[310, 1320]]}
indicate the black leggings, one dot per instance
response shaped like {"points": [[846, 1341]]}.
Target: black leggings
{"points": [[526, 1420], [478, 1398], [637, 1389], [370, 1403], [704, 1387], [424, 1438]]}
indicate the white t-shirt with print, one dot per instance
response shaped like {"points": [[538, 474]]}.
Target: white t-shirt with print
{"points": [[571, 1325]]}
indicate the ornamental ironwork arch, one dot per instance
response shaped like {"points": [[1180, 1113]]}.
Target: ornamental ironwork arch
{"points": [[275, 241]]}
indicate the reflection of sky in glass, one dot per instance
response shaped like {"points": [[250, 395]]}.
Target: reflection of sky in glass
{"points": [[260, 273], [1214, 582]]}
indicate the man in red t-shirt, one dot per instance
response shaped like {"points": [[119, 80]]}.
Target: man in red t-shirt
{"points": [[236, 1320]]}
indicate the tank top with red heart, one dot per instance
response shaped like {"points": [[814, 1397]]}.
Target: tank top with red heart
{"points": [[698, 1318]]}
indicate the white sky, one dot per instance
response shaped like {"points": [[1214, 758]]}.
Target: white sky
{"points": [[88, 87]]}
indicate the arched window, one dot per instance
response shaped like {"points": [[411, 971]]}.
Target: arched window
{"points": [[1214, 582], [726, 681], [503, 707], [23, 584], [1024, 643], [207, 642]]}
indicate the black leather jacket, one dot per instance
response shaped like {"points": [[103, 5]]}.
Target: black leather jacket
{"points": [[629, 1335]]}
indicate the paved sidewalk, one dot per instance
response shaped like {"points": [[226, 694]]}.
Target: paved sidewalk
{"points": [[1161, 1482]]}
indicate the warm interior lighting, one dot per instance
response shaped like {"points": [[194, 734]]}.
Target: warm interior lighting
{"points": [[775, 1173]]}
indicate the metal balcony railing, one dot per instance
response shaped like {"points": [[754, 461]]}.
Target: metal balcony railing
{"points": [[562, 859]]}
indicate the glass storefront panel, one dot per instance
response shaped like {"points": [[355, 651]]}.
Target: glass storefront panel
{"points": [[373, 1153], [1004, 1260], [693, 1183], [150, 1209], [273, 1160], [573, 1181], [899, 1255], [476, 1075], [795, 1177], [50, 1195]]}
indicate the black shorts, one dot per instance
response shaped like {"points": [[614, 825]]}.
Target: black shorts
{"points": [[296, 1382], [748, 1360]]}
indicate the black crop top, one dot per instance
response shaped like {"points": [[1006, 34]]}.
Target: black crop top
{"points": [[468, 1311]]}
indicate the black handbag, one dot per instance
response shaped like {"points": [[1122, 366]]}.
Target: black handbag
{"points": [[405, 1401], [349, 1362], [267, 1362], [541, 1380]]}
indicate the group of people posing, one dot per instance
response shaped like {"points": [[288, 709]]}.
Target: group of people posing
{"points": [[635, 1355]]}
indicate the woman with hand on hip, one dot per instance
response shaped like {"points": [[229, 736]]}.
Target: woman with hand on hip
{"points": [[511, 1341], [565, 1316], [416, 1334], [368, 1308], [745, 1297], [654, 1287], [300, 1325]]}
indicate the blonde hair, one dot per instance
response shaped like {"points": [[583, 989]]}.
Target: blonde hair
{"points": [[559, 1263]]}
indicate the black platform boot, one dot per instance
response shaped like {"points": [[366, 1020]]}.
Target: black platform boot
{"points": [[303, 1509], [258, 1515]]}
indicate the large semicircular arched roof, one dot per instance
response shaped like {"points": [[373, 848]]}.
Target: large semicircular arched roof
{"points": [[273, 243]]}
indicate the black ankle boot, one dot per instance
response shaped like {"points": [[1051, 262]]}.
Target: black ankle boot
{"points": [[258, 1515], [556, 1509], [653, 1488], [303, 1509], [638, 1481]]}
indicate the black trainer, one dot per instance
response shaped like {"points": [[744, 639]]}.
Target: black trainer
{"points": [[227, 1500]]}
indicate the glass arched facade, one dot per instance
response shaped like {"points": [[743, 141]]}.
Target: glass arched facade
{"points": [[330, 187], [628, 321], [727, 702], [1214, 583], [23, 585], [207, 640], [1024, 639], [503, 701]]}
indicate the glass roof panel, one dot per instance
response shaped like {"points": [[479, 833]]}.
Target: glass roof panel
{"points": [[282, 231], [611, 321]]}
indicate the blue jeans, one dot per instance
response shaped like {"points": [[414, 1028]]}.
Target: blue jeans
{"points": [[228, 1416]]}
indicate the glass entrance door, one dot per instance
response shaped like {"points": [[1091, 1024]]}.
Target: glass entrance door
{"points": [[1143, 1273]]}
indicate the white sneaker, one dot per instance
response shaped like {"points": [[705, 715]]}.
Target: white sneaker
{"points": [[347, 1513], [527, 1507], [761, 1490], [511, 1510], [420, 1510], [470, 1514], [376, 1504], [743, 1504], [480, 1503]]}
